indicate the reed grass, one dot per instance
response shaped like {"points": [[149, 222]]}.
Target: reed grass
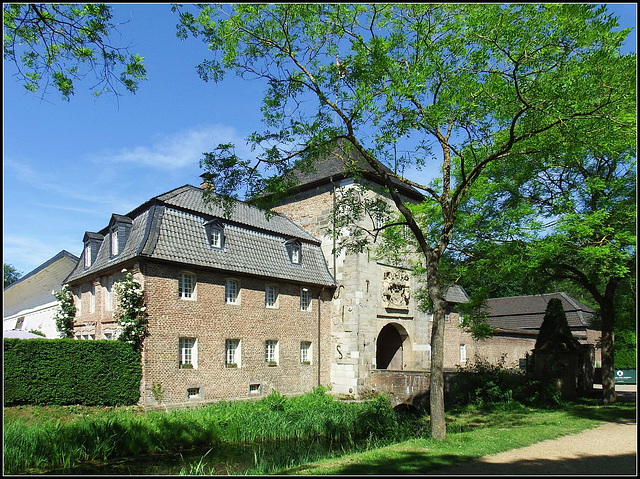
{"points": [[33, 446]]}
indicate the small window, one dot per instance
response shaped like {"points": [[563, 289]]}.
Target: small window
{"points": [[87, 255], [270, 296], [186, 286], [109, 294], [193, 393], [92, 298], [114, 241], [232, 353], [108, 335], [305, 300], [20, 322], [216, 237], [254, 388], [78, 302], [294, 250], [214, 230], [295, 254], [187, 353], [305, 352], [463, 353], [231, 292], [271, 352]]}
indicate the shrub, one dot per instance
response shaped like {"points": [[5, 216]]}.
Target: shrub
{"points": [[66, 371], [483, 384]]}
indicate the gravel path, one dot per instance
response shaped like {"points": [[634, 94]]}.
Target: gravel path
{"points": [[610, 449]]}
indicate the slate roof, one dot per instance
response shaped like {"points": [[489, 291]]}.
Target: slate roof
{"points": [[333, 168], [526, 313], [170, 227], [456, 294]]}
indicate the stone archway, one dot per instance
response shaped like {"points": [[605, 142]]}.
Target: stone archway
{"points": [[389, 347]]}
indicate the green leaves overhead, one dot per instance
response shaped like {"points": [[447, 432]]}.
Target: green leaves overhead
{"points": [[61, 43]]}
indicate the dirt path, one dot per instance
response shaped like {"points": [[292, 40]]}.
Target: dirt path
{"points": [[610, 449]]}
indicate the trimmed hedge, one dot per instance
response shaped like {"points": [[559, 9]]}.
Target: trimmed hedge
{"points": [[68, 371]]}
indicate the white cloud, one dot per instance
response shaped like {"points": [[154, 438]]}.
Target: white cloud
{"points": [[179, 150]]}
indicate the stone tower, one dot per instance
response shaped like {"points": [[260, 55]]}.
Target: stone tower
{"points": [[375, 320]]}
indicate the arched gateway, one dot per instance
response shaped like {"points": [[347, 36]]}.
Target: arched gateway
{"points": [[390, 347]]}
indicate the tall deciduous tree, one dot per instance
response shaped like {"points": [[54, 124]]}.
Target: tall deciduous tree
{"points": [[461, 86], [59, 44]]}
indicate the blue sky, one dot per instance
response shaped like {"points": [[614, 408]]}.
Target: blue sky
{"points": [[69, 165]]}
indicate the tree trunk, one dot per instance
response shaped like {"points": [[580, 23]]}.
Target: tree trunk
{"points": [[607, 342], [436, 389]]}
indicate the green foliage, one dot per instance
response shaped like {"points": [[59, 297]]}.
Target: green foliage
{"points": [[66, 371], [131, 311], [38, 332], [11, 274], [314, 415], [626, 350], [482, 384], [58, 44], [66, 313]]}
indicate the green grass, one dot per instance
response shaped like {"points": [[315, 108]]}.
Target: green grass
{"points": [[288, 435], [471, 434], [43, 441]]}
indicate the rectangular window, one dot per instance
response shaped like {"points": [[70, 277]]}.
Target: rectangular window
{"points": [[114, 241], [271, 352], [92, 298], [231, 292], [185, 286], [295, 253], [193, 393], [232, 353], [254, 388], [187, 353], [463, 353], [305, 300], [109, 294], [216, 237], [87, 255], [79, 302], [270, 296], [305, 352]]}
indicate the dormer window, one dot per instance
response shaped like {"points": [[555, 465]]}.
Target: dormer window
{"points": [[87, 255], [119, 228], [294, 250], [114, 241], [92, 242], [214, 230]]}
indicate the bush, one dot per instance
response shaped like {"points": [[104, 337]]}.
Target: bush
{"points": [[483, 384], [67, 371]]}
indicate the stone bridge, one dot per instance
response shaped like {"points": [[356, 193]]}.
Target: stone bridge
{"points": [[408, 389]]}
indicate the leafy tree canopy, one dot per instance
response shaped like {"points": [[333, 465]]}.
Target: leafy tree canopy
{"points": [[11, 274], [458, 88], [59, 44]]}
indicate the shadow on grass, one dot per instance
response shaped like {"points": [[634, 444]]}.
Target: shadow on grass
{"points": [[419, 463]]}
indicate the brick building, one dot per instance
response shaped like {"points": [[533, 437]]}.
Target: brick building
{"points": [[237, 305]]}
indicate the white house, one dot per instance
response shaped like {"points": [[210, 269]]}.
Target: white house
{"points": [[29, 303]]}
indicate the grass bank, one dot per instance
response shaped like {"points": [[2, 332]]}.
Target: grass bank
{"points": [[46, 439], [472, 433]]}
